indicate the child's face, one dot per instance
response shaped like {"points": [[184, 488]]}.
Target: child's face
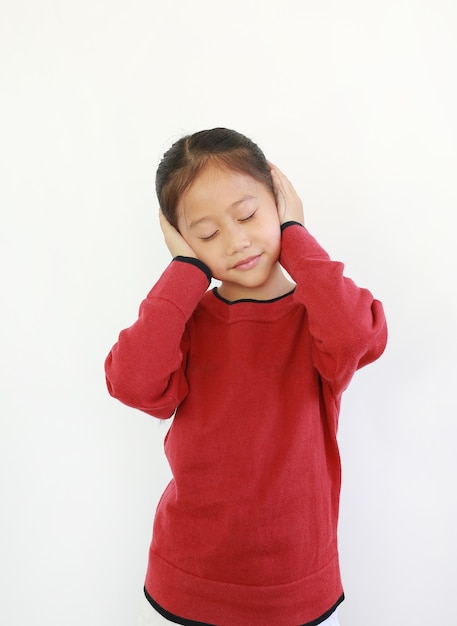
{"points": [[231, 222]]}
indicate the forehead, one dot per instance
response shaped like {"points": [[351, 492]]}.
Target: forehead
{"points": [[217, 189]]}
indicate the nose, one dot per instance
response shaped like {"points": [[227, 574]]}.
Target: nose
{"points": [[236, 239]]}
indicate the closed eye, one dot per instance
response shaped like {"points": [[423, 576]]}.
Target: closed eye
{"points": [[209, 237], [246, 219], [242, 221]]}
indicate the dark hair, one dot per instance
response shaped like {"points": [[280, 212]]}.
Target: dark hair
{"points": [[188, 156]]}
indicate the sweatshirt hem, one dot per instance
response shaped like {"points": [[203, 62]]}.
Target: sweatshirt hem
{"points": [[191, 600], [176, 619]]}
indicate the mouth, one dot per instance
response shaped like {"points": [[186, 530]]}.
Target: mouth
{"points": [[248, 264]]}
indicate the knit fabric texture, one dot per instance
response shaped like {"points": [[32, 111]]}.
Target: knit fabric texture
{"points": [[245, 534]]}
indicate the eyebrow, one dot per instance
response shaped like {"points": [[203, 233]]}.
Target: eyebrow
{"points": [[233, 205]]}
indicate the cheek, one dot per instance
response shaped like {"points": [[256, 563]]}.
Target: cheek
{"points": [[273, 231], [274, 239], [272, 216], [205, 252], [197, 245]]}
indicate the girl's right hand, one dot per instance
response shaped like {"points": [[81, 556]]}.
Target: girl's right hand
{"points": [[174, 240]]}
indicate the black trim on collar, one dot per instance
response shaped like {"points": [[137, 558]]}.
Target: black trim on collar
{"points": [[253, 300]]}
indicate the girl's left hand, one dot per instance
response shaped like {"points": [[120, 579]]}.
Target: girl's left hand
{"points": [[290, 207]]}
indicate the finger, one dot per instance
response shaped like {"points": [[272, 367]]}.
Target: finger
{"points": [[282, 178], [275, 173], [275, 168], [164, 223], [278, 186], [280, 195]]}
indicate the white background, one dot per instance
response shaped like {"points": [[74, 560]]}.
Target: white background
{"points": [[356, 101]]}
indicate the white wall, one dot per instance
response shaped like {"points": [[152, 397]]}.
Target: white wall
{"points": [[356, 101]]}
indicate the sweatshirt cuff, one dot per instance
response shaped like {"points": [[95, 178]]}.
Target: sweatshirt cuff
{"points": [[291, 223], [193, 261]]}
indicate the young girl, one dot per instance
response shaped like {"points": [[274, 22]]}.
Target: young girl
{"points": [[253, 371]]}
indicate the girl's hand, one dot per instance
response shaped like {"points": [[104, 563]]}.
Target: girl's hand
{"points": [[290, 207], [174, 240]]}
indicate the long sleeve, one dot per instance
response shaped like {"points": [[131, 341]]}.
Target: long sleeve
{"points": [[347, 324], [145, 368]]}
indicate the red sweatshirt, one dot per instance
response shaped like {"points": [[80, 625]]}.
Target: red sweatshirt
{"points": [[246, 532]]}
